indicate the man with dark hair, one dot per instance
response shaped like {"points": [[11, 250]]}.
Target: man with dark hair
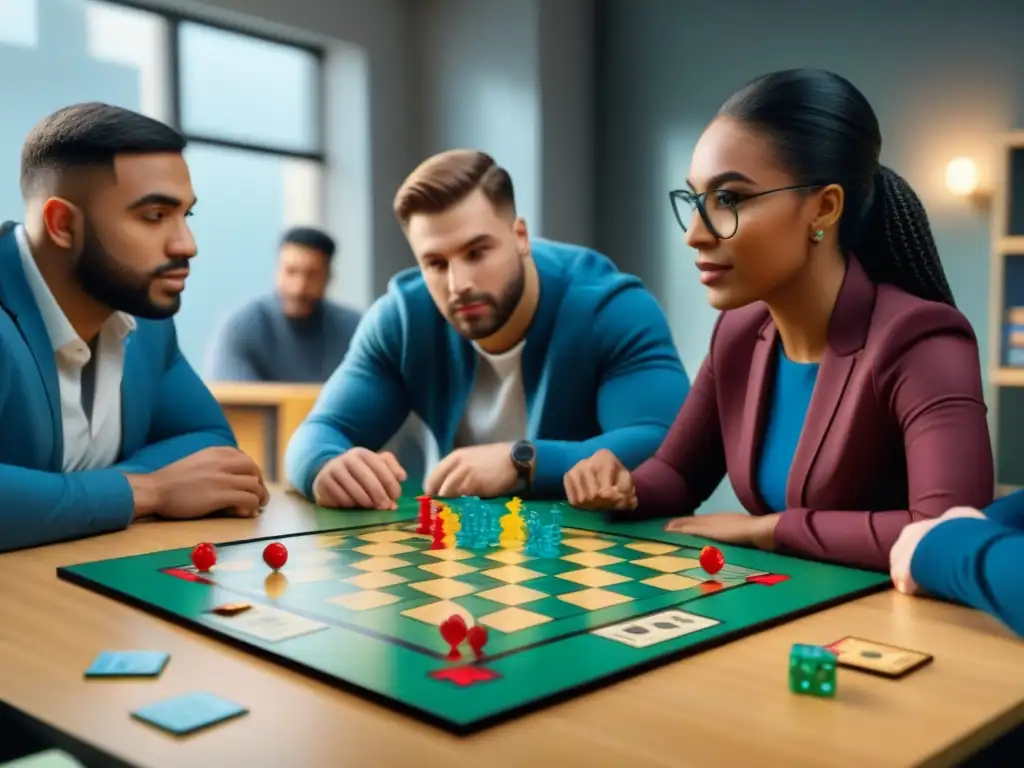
{"points": [[521, 356], [103, 419], [295, 334]]}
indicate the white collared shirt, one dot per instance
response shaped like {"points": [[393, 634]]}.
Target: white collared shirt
{"points": [[95, 444]]}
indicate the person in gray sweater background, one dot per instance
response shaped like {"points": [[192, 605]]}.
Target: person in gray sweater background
{"points": [[295, 334]]}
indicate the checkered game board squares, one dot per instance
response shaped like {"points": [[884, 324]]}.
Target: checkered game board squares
{"points": [[364, 600], [384, 549], [593, 577], [376, 580], [380, 564], [591, 559], [587, 543], [668, 563], [383, 574], [446, 589], [448, 568]]}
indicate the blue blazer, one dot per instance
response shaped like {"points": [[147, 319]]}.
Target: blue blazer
{"points": [[167, 413], [600, 370]]}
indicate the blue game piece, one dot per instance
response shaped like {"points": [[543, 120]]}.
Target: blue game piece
{"points": [[464, 536], [189, 712], [533, 533], [556, 528], [547, 547], [128, 664]]}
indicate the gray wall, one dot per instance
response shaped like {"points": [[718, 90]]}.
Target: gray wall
{"points": [[944, 78], [514, 79]]}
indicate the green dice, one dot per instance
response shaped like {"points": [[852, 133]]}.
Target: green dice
{"points": [[812, 671]]}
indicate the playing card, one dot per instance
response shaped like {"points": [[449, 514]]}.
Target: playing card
{"points": [[266, 623], [877, 658], [657, 628], [189, 712], [128, 664]]}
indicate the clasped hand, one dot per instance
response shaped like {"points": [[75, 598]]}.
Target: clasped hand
{"points": [[600, 482], [219, 479], [363, 479]]}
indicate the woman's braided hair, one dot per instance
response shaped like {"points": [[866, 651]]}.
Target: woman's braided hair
{"points": [[826, 132]]}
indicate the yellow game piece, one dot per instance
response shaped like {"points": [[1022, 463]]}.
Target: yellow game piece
{"points": [[512, 530], [515, 530], [449, 524]]}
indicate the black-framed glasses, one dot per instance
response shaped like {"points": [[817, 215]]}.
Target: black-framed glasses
{"points": [[720, 217]]}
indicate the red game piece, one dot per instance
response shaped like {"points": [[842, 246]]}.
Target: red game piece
{"points": [[711, 559], [204, 556], [425, 514], [477, 638], [453, 630], [275, 555], [438, 533]]}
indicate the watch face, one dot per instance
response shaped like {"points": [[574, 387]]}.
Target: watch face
{"points": [[523, 452]]}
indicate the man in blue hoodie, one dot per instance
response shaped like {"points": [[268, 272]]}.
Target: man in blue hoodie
{"points": [[521, 356]]}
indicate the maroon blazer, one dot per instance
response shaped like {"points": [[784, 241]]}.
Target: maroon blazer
{"points": [[896, 430]]}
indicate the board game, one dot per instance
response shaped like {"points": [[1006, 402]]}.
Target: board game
{"points": [[361, 604]]}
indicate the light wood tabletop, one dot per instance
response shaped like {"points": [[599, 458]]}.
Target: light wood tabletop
{"points": [[263, 416], [727, 706]]}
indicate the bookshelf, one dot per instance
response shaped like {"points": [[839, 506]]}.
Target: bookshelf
{"points": [[1006, 306]]}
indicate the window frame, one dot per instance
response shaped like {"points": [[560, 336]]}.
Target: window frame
{"points": [[174, 19]]}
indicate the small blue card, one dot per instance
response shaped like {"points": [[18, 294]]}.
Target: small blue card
{"points": [[189, 712], [128, 664]]}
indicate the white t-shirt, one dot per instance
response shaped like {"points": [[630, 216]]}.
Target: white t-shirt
{"points": [[496, 408]]}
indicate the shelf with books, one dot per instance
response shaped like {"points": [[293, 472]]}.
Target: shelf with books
{"points": [[1006, 301]]}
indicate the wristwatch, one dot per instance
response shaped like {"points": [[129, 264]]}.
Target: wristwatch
{"points": [[524, 457]]}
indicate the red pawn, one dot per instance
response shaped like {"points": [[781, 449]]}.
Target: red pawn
{"points": [[275, 555], [712, 559], [453, 630], [477, 638], [438, 532], [204, 556], [425, 512]]}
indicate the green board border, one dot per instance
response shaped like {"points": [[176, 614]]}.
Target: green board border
{"points": [[554, 669]]}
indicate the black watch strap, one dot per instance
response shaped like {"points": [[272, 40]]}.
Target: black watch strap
{"points": [[523, 456]]}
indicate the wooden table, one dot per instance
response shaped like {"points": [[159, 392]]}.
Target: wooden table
{"points": [[263, 416], [728, 706]]}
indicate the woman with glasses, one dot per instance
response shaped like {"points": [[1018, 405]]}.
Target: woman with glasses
{"points": [[842, 390]]}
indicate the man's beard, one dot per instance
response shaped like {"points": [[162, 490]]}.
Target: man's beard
{"points": [[502, 308], [112, 284]]}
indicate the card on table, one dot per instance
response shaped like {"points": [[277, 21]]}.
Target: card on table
{"points": [[270, 624], [656, 628], [128, 664], [877, 658], [189, 712]]}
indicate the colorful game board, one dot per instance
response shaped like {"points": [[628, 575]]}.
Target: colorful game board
{"points": [[360, 607]]}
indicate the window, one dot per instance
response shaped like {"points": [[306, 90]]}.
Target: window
{"points": [[246, 89], [18, 23], [250, 106], [66, 51]]}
